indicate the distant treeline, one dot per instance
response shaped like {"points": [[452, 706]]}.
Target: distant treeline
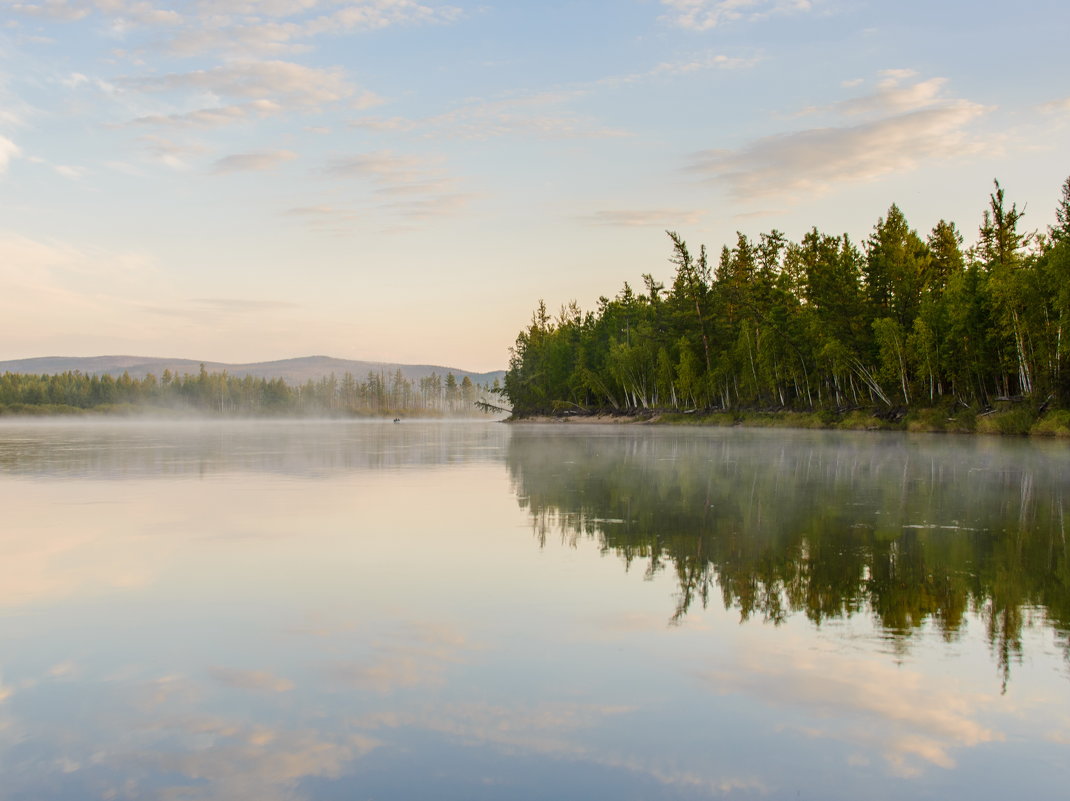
{"points": [[223, 394], [901, 321]]}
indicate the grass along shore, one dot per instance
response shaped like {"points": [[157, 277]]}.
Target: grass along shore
{"points": [[1006, 419], [1014, 419]]}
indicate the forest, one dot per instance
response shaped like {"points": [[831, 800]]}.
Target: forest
{"points": [[221, 394], [898, 322]]}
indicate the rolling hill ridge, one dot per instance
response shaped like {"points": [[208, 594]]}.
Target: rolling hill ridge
{"points": [[293, 371]]}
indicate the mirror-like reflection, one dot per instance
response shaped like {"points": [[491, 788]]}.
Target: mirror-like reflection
{"points": [[310, 611], [910, 529]]}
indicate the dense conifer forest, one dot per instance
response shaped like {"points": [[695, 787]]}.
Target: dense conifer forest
{"points": [[901, 321], [383, 395]]}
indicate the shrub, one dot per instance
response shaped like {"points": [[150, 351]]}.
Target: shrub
{"points": [[1053, 424], [1011, 421]]}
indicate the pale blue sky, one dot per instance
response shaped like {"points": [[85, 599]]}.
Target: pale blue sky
{"points": [[404, 179]]}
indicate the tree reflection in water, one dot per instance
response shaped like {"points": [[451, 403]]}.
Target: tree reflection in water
{"points": [[912, 530]]}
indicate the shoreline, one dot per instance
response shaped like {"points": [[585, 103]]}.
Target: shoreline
{"points": [[1011, 420], [119, 412], [587, 419]]}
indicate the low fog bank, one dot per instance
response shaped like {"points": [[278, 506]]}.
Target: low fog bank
{"points": [[224, 395], [156, 415], [103, 447]]}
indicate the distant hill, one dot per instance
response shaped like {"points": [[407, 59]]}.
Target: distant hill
{"points": [[293, 371]]}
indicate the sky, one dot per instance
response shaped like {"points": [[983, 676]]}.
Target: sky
{"points": [[404, 180]]}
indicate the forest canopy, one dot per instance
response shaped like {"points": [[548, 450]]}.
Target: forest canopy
{"points": [[901, 320], [222, 394]]}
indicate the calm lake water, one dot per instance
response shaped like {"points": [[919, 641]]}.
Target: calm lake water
{"points": [[300, 610]]}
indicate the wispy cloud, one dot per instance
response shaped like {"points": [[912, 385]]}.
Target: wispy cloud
{"points": [[892, 97], [889, 97], [411, 187], [537, 115], [1051, 107], [14, 111], [8, 151], [429, 207], [702, 15], [244, 28], [557, 729], [391, 172], [895, 711], [285, 81], [252, 162], [69, 171], [259, 680], [63, 10], [326, 218], [246, 761], [122, 15], [175, 155], [708, 61], [214, 117], [906, 127], [242, 92], [536, 728], [287, 27], [544, 114], [76, 80], [419, 656], [254, 39], [699, 62], [634, 218], [340, 219], [244, 304], [365, 100]]}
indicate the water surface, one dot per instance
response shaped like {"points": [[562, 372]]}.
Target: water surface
{"points": [[365, 610]]}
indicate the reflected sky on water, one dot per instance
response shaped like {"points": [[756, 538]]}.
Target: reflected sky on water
{"points": [[300, 610]]}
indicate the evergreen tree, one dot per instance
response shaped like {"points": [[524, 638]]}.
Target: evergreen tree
{"points": [[896, 263], [1061, 230]]}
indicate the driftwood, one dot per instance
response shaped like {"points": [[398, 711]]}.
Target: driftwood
{"points": [[490, 408]]}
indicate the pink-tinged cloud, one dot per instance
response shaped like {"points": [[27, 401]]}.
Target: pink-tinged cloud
{"points": [[703, 15], [252, 162], [8, 151], [815, 160]]}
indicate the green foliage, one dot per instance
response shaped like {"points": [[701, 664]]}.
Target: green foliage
{"points": [[963, 421], [1053, 424], [1018, 420], [927, 420], [226, 395], [897, 262], [820, 326], [1061, 230], [38, 409]]}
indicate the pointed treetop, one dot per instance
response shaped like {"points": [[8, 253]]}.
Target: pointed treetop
{"points": [[1061, 230]]}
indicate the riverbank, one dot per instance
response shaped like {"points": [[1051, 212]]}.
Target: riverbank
{"points": [[1009, 419]]}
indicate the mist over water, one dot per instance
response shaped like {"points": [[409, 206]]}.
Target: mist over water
{"points": [[298, 609], [147, 448]]}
